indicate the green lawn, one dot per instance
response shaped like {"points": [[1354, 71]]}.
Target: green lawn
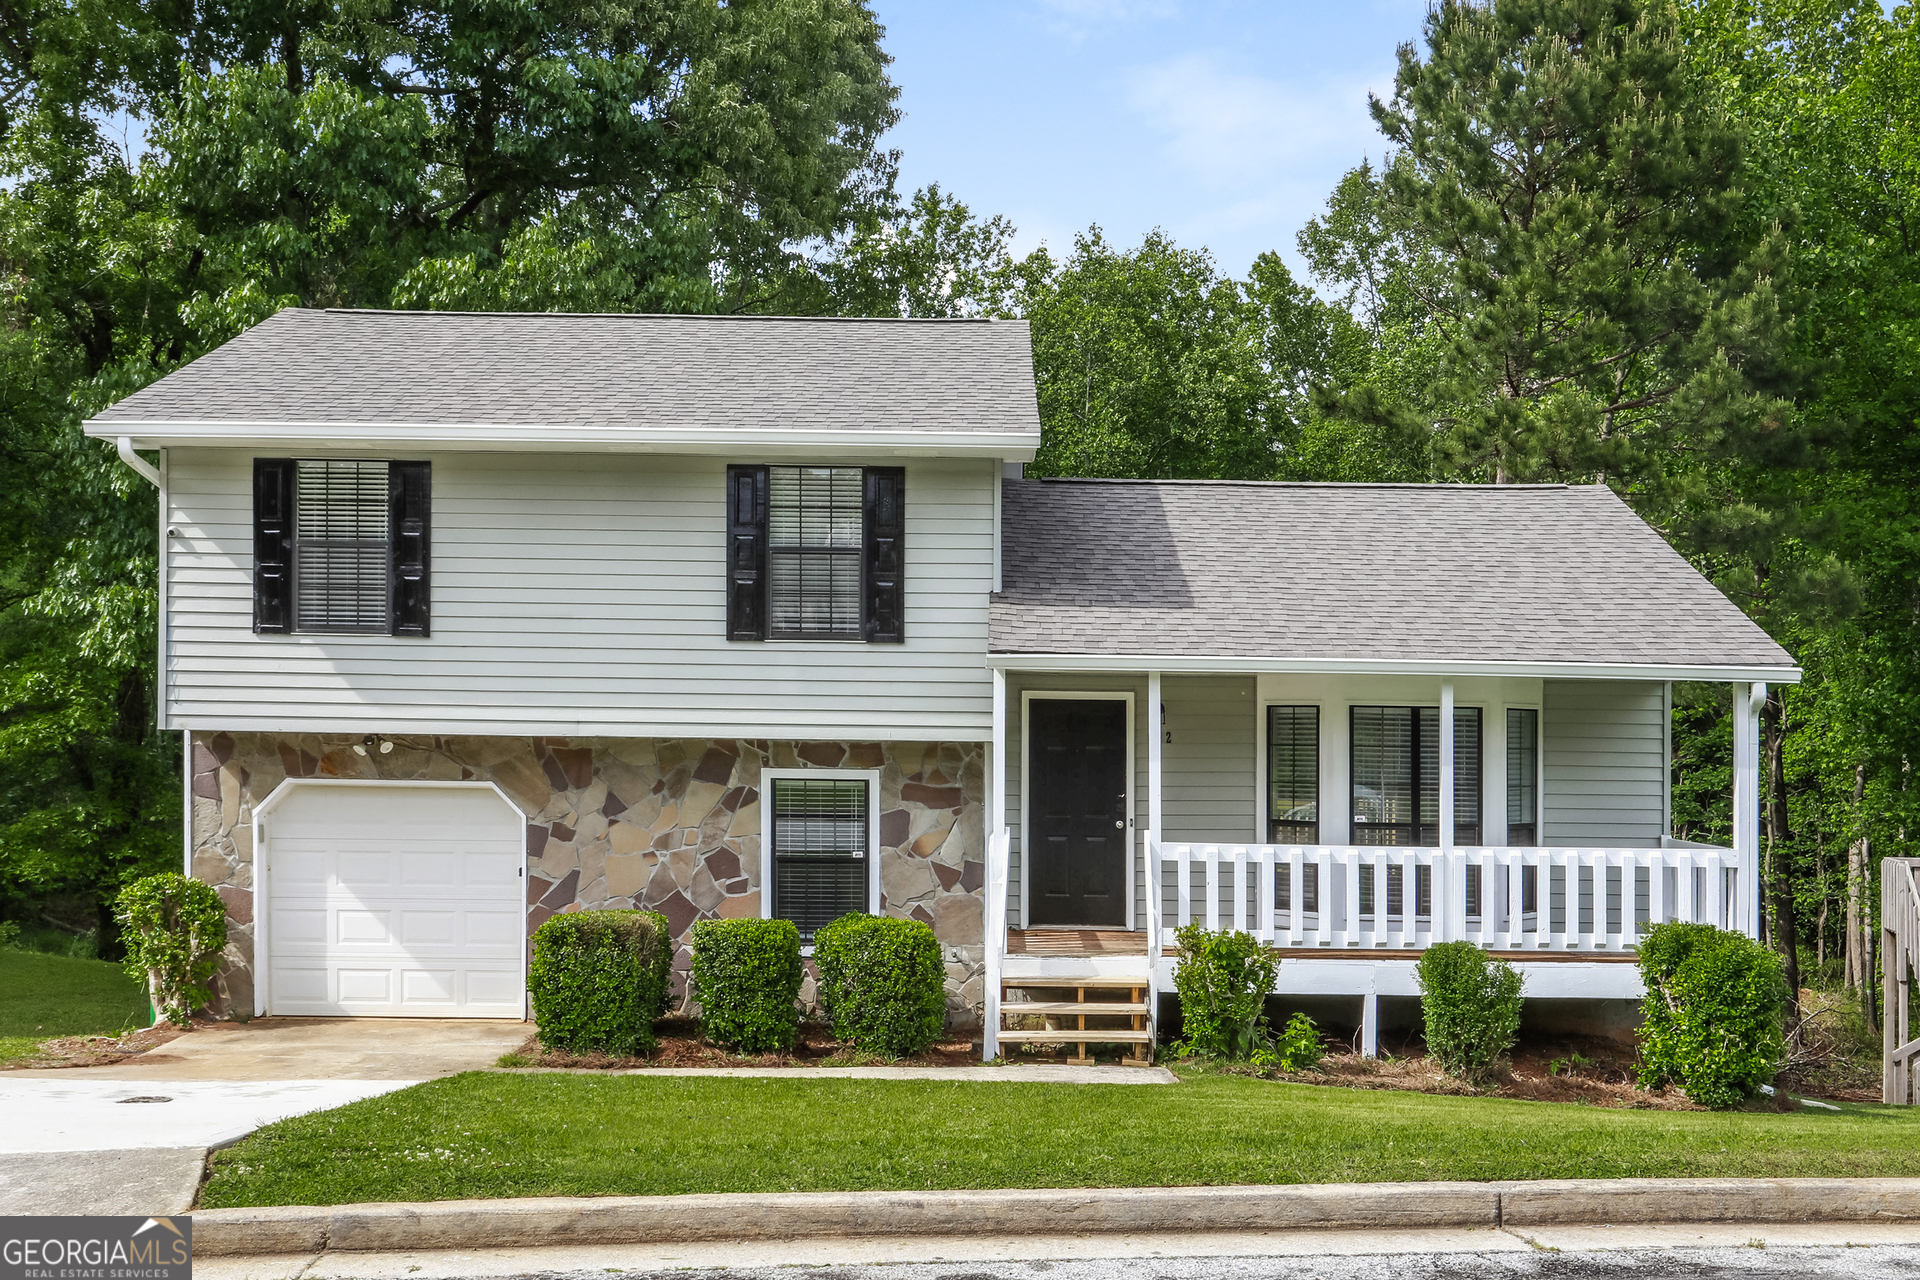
{"points": [[44, 996], [479, 1135]]}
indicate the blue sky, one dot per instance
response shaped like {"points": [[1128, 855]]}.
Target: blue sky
{"points": [[1224, 123]]}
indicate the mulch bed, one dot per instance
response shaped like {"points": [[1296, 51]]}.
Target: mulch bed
{"points": [[94, 1051], [681, 1046]]}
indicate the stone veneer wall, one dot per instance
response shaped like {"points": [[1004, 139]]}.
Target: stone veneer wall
{"points": [[670, 825]]}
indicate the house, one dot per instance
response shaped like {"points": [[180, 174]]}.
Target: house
{"points": [[469, 619]]}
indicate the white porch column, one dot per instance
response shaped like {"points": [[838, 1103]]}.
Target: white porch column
{"points": [[1748, 701], [1156, 736], [994, 917], [1449, 921]]}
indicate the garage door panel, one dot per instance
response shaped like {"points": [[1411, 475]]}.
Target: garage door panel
{"points": [[429, 928], [396, 900], [493, 986], [353, 928], [365, 872], [365, 986], [492, 931], [295, 926]]}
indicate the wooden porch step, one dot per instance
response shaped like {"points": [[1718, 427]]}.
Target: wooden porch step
{"points": [[1071, 1006], [1076, 942], [1092, 1035], [1075, 984]]}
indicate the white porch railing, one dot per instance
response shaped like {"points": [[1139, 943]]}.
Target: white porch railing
{"points": [[1410, 898]]}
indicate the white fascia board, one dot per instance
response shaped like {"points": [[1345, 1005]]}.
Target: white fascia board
{"points": [[1009, 446], [344, 727], [1190, 665]]}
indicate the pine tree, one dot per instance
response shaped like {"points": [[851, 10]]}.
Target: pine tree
{"points": [[1567, 215]]}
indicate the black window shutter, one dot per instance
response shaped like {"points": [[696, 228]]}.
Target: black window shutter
{"points": [[886, 527], [410, 490], [273, 545], [747, 553]]}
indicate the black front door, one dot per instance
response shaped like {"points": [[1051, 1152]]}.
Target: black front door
{"points": [[1078, 822]]}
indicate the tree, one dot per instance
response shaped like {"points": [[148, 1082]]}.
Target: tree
{"points": [[680, 155], [1563, 209]]}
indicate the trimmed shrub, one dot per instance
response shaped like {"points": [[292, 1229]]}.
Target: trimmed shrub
{"points": [[746, 976], [1471, 1003], [1223, 979], [174, 928], [882, 983], [1714, 1013], [598, 980]]}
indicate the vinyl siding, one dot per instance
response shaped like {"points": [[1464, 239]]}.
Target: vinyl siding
{"points": [[579, 594], [1604, 764]]}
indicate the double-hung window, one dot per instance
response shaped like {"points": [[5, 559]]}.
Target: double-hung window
{"points": [[1396, 776], [816, 553], [341, 546], [1523, 776], [1293, 795], [821, 831]]}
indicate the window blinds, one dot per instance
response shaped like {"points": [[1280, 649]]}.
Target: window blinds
{"points": [[820, 830], [1523, 776], [1293, 775], [816, 539], [1395, 759], [342, 545]]}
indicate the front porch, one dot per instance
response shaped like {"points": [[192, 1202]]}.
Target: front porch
{"points": [[1350, 920]]}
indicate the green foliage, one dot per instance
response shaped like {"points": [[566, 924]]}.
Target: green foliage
{"points": [[174, 928], [746, 976], [1564, 206], [598, 980], [1712, 1019], [1470, 1003], [1223, 978], [882, 982], [1298, 1047]]}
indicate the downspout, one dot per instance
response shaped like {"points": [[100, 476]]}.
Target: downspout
{"points": [[138, 463]]}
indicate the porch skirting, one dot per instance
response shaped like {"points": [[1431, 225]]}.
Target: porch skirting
{"points": [[668, 825]]}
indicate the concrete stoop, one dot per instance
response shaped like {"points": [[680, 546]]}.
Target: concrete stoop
{"points": [[607, 1220]]}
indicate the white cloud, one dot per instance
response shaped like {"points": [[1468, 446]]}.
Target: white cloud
{"points": [[1077, 19], [1259, 150]]}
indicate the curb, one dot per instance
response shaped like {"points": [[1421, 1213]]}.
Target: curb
{"points": [[603, 1220]]}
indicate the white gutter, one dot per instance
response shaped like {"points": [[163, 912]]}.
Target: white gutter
{"points": [[1207, 665], [138, 463], [1013, 446]]}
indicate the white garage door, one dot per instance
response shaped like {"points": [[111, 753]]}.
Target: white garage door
{"points": [[396, 901]]}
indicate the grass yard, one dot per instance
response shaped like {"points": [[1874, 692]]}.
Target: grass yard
{"points": [[44, 996], [481, 1135]]}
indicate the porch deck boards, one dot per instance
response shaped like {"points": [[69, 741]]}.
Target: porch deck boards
{"points": [[1076, 942]]}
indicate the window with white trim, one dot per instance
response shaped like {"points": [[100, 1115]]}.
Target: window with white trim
{"points": [[821, 837]]}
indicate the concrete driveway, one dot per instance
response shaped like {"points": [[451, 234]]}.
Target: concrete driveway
{"points": [[132, 1138], [316, 1049]]}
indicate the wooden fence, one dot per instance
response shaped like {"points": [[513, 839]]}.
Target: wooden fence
{"points": [[1899, 938]]}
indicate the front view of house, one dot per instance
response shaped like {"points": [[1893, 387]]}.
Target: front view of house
{"points": [[469, 619]]}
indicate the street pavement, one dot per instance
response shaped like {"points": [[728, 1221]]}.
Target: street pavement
{"points": [[1869, 1251]]}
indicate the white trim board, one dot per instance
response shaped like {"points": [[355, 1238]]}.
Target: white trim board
{"points": [[526, 437], [262, 870], [768, 777], [1184, 664], [1027, 696], [365, 720]]}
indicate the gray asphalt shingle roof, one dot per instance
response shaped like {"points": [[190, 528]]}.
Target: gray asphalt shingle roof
{"points": [[1534, 573], [621, 372]]}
